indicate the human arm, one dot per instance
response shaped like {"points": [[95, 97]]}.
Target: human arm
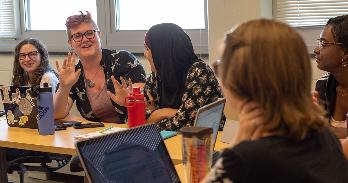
{"points": [[67, 76], [154, 114], [124, 65], [251, 120], [160, 114], [121, 90], [201, 88], [344, 143]]}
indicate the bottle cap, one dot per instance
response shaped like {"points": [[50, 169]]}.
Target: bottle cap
{"points": [[45, 88], [196, 131], [137, 94], [136, 90]]}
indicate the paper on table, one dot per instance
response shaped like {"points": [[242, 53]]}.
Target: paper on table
{"points": [[99, 133]]}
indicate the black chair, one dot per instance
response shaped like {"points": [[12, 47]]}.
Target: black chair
{"points": [[44, 159], [75, 165]]}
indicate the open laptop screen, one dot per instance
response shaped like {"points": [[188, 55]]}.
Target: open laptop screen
{"points": [[134, 155], [210, 116]]}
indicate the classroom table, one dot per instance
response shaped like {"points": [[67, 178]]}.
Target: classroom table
{"points": [[62, 142]]}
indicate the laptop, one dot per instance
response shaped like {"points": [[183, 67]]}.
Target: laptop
{"points": [[210, 116], [133, 155], [20, 106]]}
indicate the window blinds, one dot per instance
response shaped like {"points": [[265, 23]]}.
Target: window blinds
{"points": [[7, 19], [308, 12]]}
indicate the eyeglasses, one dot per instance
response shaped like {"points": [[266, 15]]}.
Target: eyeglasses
{"points": [[32, 55], [322, 43], [90, 34]]}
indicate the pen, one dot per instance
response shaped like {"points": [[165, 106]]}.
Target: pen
{"points": [[105, 129]]}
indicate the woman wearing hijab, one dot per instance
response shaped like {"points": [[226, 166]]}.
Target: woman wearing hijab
{"points": [[180, 83]]}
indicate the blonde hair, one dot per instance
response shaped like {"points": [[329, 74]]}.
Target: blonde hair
{"points": [[267, 62]]}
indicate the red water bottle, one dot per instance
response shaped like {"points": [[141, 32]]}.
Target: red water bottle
{"points": [[136, 108]]}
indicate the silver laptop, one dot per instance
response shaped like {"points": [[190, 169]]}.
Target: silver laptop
{"points": [[133, 155], [210, 116]]}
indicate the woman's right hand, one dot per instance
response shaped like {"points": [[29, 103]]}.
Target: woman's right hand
{"points": [[251, 119], [121, 90], [67, 74]]}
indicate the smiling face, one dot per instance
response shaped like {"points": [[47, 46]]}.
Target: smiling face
{"points": [[328, 56], [29, 58], [87, 47]]}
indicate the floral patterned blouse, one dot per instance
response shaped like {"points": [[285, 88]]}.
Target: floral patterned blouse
{"points": [[114, 63], [201, 88]]}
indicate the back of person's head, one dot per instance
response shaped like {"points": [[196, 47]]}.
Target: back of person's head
{"points": [[169, 44], [19, 75], [339, 29], [267, 62], [173, 55], [75, 20]]}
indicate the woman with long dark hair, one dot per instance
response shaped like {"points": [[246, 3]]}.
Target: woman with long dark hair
{"points": [[31, 65], [180, 82]]}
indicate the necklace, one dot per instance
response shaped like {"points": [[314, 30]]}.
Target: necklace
{"points": [[90, 82], [341, 91]]}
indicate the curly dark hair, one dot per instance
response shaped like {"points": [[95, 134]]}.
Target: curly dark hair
{"points": [[20, 77], [339, 29]]}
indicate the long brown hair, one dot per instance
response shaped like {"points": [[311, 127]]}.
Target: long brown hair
{"points": [[20, 77], [267, 62]]}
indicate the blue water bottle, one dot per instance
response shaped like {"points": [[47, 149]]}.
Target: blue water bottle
{"points": [[45, 116]]}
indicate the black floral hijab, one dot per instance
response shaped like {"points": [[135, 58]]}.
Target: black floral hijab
{"points": [[173, 55]]}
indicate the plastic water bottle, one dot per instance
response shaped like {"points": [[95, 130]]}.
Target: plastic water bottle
{"points": [[136, 108], [196, 152], [45, 116]]}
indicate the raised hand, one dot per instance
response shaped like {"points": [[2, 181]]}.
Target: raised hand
{"points": [[67, 74], [121, 90]]}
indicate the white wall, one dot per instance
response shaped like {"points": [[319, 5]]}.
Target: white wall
{"points": [[225, 14]]}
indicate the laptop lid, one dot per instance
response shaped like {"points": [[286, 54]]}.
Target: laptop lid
{"points": [[133, 155], [20, 105], [210, 116]]}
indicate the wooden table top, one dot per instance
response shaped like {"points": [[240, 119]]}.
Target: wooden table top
{"points": [[62, 142]]}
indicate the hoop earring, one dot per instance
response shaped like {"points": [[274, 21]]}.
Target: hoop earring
{"points": [[344, 63]]}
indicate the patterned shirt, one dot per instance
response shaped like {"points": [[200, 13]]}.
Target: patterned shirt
{"points": [[114, 63], [201, 88]]}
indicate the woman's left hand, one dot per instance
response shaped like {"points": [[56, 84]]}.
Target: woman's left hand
{"points": [[121, 90], [251, 122], [160, 114]]}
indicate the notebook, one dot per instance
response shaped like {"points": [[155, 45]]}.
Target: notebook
{"points": [[133, 155], [210, 116], [20, 105]]}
